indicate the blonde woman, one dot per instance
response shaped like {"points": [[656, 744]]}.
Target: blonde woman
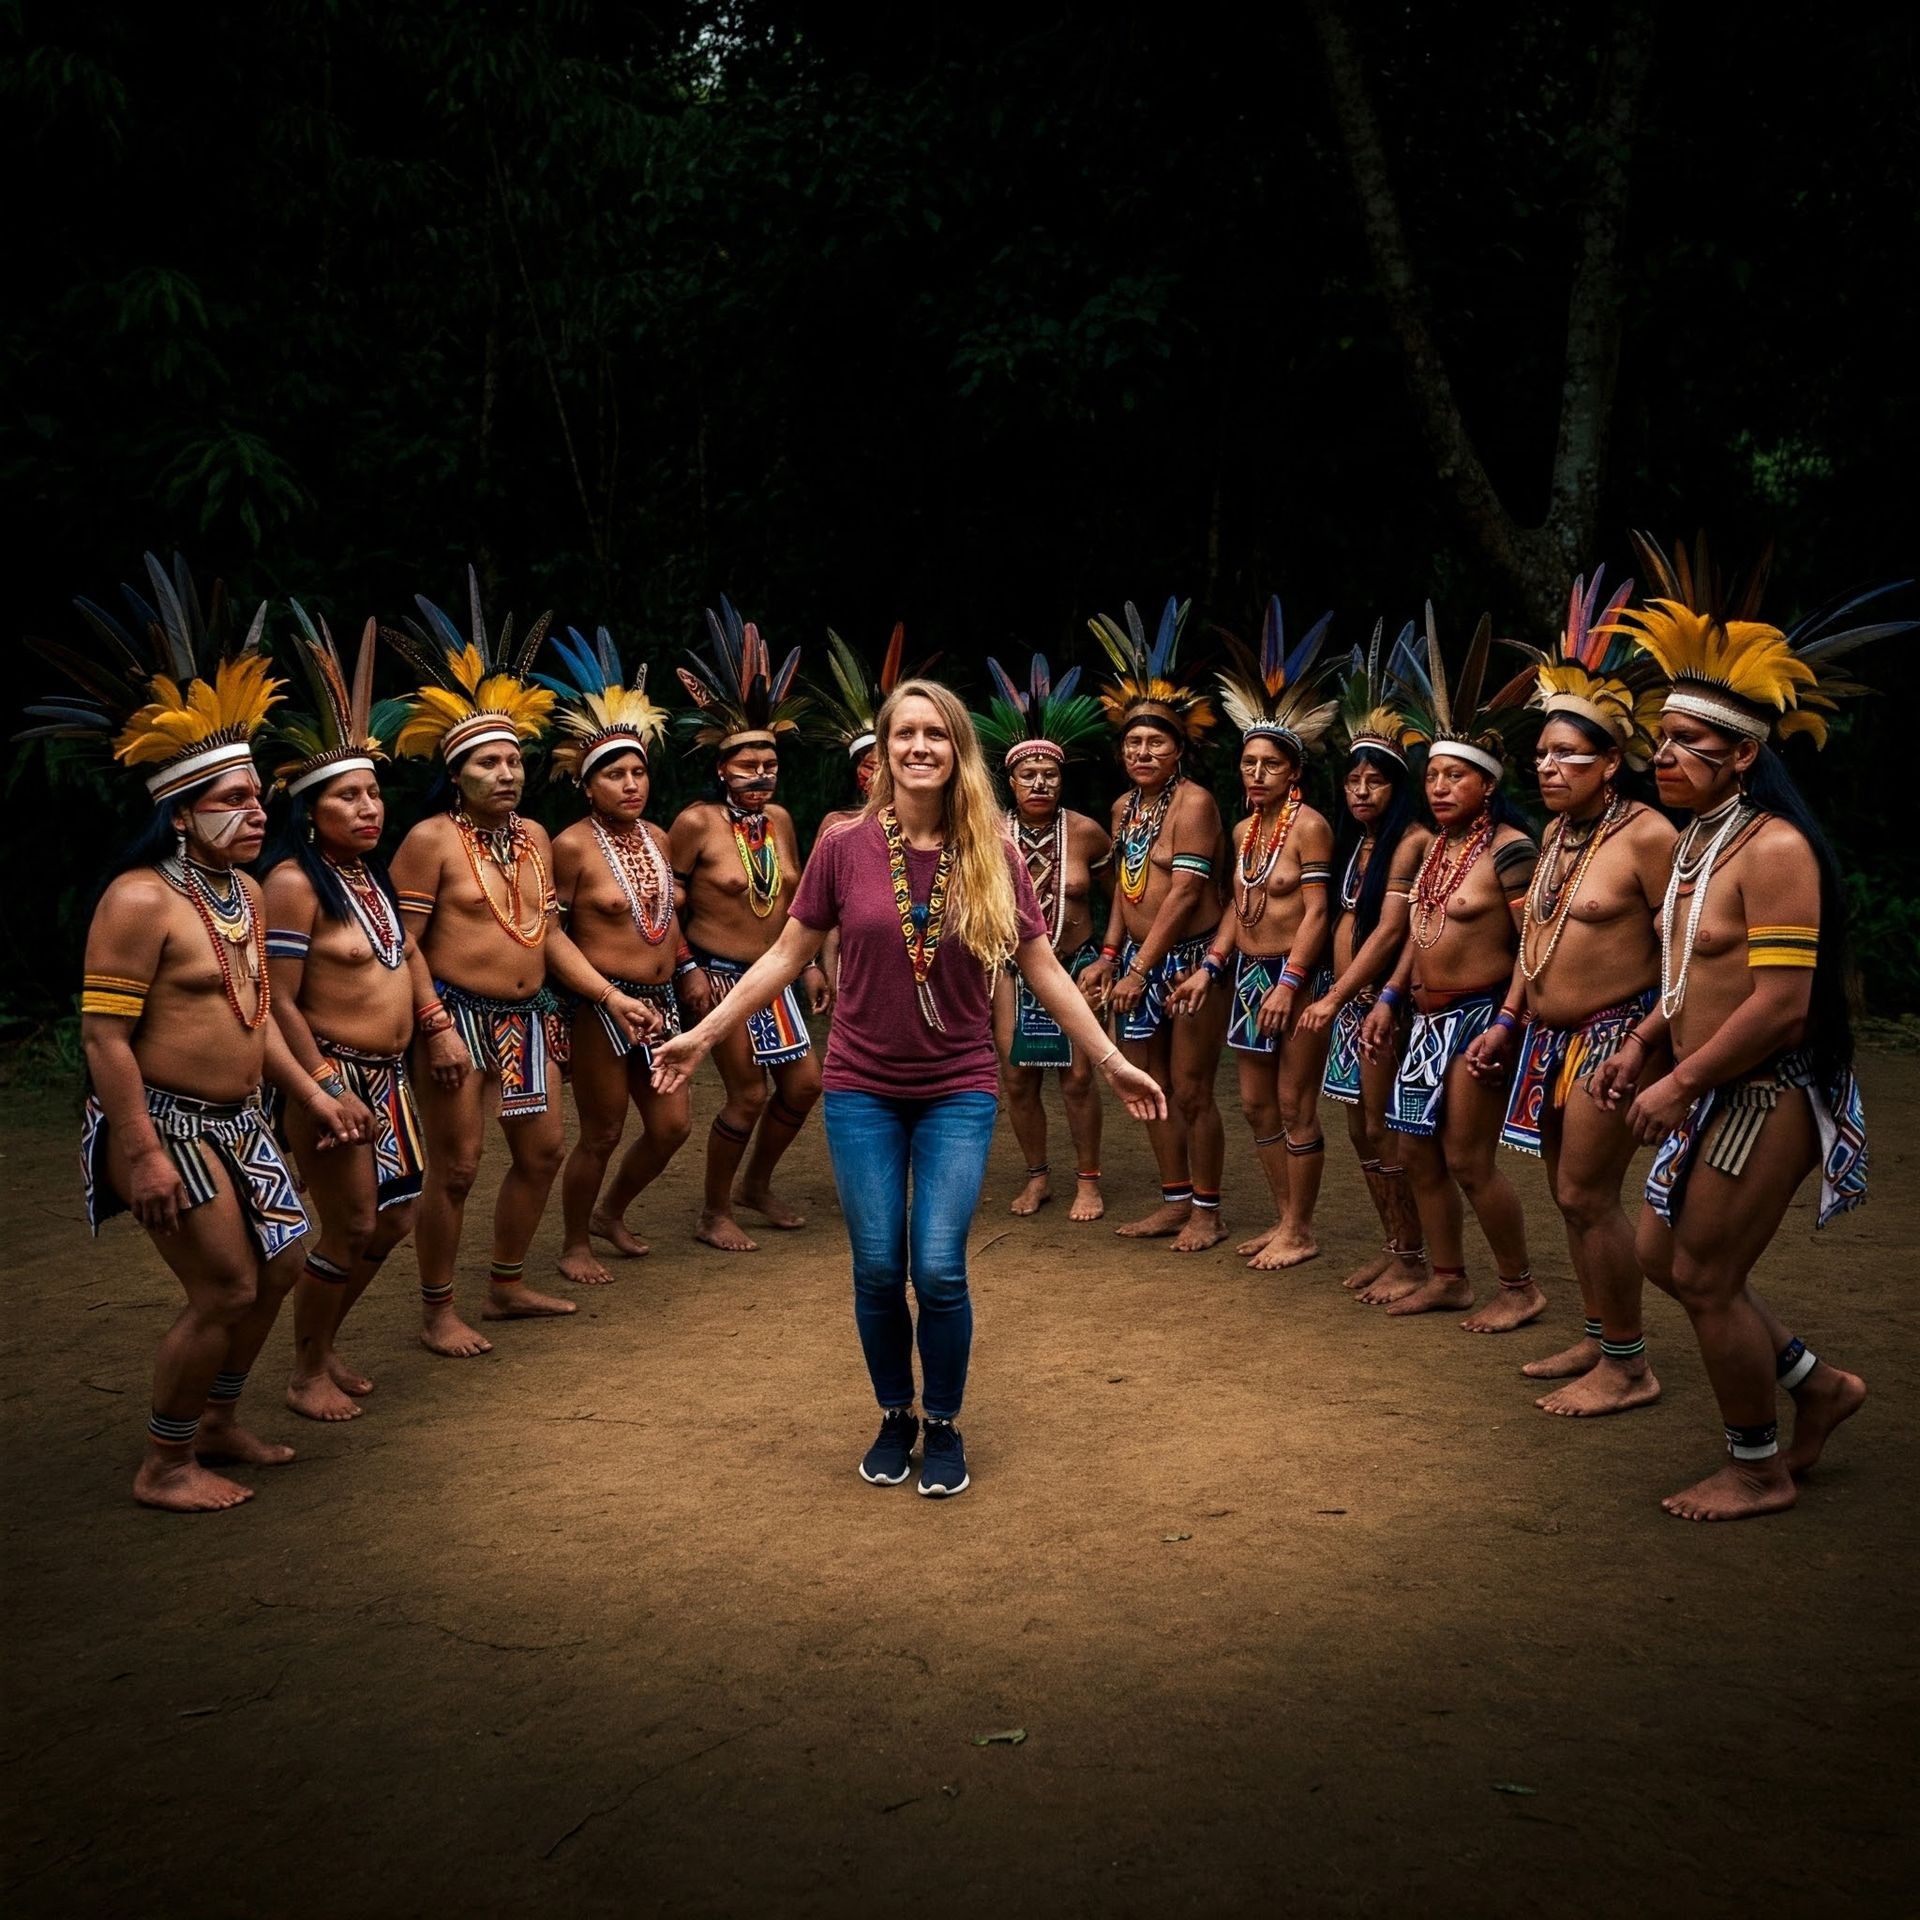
{"points": [[928, 898]]}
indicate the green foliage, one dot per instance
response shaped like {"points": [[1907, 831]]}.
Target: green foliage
{"points": [[1883, 930]]}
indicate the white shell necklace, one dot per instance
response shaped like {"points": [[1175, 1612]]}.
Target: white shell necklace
{"points": [[1695, 870]]}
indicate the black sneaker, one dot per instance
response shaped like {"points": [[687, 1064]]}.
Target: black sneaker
{"points": [[943, 1461], [890, 1459]]}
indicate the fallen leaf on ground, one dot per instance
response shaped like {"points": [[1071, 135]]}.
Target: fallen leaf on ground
{"points": [[1329, 1509], [1012, 1737], [1171, 1537], [1512, 1786]]}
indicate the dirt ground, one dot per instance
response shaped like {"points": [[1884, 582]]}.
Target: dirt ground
{"points": [[1301, 1610]]}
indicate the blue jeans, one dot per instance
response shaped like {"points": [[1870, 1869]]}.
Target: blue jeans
{"points": [[878, 1144]]}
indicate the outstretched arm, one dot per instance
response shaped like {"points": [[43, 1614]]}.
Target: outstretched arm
{"points": [[776, 969], [1056, 990]]}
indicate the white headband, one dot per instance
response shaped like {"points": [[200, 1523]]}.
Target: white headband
{"points": [[1704, 706], [198, 768], [613, 743], [351, 763], [860, 743], [1472, 755], [464, 735]]}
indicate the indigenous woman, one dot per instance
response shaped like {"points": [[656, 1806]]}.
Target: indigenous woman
{"points": [[176, 1019], [1169, 845], [1753, 1005], [1377, 856], [1585, 977], [1275, 928], [1462, 930], [929, 899], [475, 880], [617, 894], [1036, 732], [739, 862], [852, 703], [346, 980]]}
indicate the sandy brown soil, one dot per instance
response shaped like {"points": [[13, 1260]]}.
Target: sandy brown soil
{"points": [[1301, 1609]]}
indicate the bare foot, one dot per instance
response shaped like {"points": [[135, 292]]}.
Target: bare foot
{"points": [[521, 1302], [1363, 1277], [347, 1379], [319, 1399], [718, 1230], [1826, 1397], [578, 1265], [227, 1443], [1396, 1283], [1510, 1307], [1204, 1229], [771, 1208], [1088, 1202], [1606, 1388], [184, 1486], [1736, 1492], [1582, 1357], [1033, 1196], [445, 1333], [1439, 1293], [1168, 1217], [1248, 1248], [618, 1235], [1282, 1251]]}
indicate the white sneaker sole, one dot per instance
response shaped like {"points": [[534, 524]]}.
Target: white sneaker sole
{"points": [[881, 1480], [944, 1493]]}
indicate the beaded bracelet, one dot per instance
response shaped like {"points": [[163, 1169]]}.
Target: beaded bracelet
{"points": [[1390, 997], [1506, 1020], [1214, 965], [1292, 977], [1109, 953]]}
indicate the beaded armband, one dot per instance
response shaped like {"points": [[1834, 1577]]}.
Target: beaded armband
{"points": [[1291, 976], [1316, 873], [284, 944], [1783, 946], [414, 902], [1199, 863], [113, 995]]}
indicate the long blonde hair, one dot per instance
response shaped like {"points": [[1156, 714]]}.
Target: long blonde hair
{"points": [[980, 905]]}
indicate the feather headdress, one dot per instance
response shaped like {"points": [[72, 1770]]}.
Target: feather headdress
{"points": [[1280, 695], [741, 700], [1047, 718], [600, 711], [1451, 715], [1734, 670], [472, 689], [179, 699], [1145, 687], [856, 699], [1597, 673], [1370, 717], [345, 732]]}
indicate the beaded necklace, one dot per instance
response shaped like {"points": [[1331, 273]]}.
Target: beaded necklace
{"points": [[507, 847], [1256, 864], [1554, 902], [1356, 874], [921, 935], [1045, 852], [368, 903], [230, 923], [635, 862], [1694, 869], [759, 854], [1139, 829], [1439, 882]]}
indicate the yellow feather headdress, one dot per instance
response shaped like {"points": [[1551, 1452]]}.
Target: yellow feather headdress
{"points": [[473, 689], [189, 710], [345, 732], [599, 712], [1370, 715], [1734, 670], [1594, 672], [1280, 695], [1145, 686]]}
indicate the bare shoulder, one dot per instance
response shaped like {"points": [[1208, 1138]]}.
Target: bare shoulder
{"points": [[429, 836], [1084, 831], [656, 833], [573, 839], [697, 816], [141, 892], [1774, 839], [1315, 830], [1196, 801], [288, 890], [536, 833], [1510, 835], [1649, 829]]}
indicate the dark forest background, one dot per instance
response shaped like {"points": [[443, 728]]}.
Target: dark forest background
{"points": [[982, 320]]}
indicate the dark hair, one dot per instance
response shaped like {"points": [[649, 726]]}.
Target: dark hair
{"points": [[1400, 813], [292, 843], [1628, 783], [151, 844], [1829, 1036]]}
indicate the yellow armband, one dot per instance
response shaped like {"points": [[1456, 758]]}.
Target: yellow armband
{"points": [[109, 993], [1783, 946]]}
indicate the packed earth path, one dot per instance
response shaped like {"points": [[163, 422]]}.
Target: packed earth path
{"points": [[1261, 1602]]}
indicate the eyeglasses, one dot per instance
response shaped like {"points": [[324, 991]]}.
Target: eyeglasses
{"points": [[1563, 757]]}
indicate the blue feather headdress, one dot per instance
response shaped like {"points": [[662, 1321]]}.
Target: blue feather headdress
{"points": [[1370, 708], [741, 700], [1145, 687], [600, 711], [1048, 717], [1280, 696]]}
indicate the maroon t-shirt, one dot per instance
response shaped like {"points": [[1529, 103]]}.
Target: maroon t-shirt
{"points": [[881, 1042]]}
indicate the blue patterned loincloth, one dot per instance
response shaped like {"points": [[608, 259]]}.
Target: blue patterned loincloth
{"points": [[1151, 1014], [1435, 1041]]}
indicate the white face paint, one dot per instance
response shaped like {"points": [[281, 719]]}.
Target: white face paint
{"points": [[219, 826]]}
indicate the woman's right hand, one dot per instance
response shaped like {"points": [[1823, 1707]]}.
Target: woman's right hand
{"points": [[158, 1195], [1096, 982], [1376, 1032], [674, 1060], [1318, 1017], [1139, 1091], [448, 1059]]}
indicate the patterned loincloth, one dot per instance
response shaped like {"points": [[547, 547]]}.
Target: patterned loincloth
{"points": [[1150, 1015], [1341, 1081], [1554, 1060], [1719, 1130], [660, 994], [1435, 1041], [777, 1033], [515, 1040], [384, 1084], [1037, 1038], [196, 1133], [1254, 977]]}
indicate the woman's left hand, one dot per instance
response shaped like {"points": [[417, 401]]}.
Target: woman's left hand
{"points": [[1139, 1091], [1659, 1110]]}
